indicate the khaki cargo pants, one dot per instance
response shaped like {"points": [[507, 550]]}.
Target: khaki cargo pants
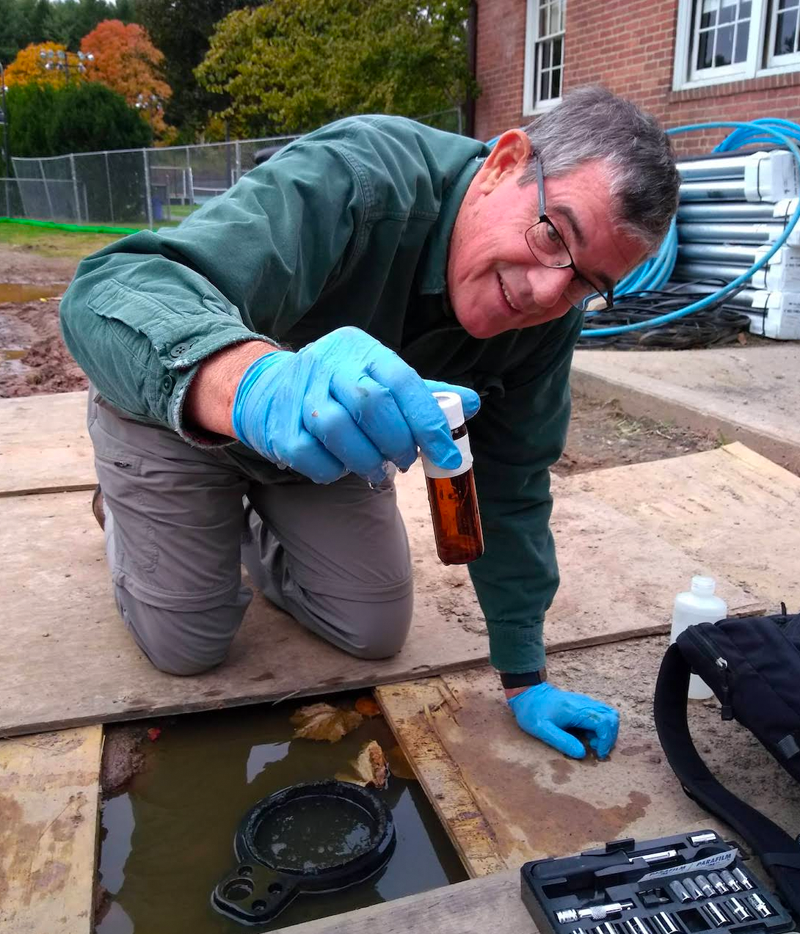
{"points": [[180, 521]]}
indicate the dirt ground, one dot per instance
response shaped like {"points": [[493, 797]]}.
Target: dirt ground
{"points": [[33, 359]]}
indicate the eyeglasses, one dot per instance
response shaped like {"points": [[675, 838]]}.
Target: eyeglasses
{"points": [[548, 248]]}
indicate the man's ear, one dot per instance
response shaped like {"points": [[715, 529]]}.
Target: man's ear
{"points": [[511, 152]]}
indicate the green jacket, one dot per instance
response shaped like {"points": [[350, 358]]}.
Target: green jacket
{"points": [[348, 225]]}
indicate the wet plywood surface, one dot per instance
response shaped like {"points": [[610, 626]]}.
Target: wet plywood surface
{"points": [[472, 907], [49, 795], [731, 509], [535, 802], [44, 444], [61, 616]]}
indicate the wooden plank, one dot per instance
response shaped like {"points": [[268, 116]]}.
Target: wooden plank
{"points": [[44, 444], [730, 509], [472, 907], [414, 721], [61, 616], [49, 797], [537, 802]]}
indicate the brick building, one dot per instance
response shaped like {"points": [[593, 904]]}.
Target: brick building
{"points": [[686, 61]]}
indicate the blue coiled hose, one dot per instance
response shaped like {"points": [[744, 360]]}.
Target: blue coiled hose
{"points": [[654, 274]]}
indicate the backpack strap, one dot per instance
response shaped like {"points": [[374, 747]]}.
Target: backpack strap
{"points": [[779, 852]]}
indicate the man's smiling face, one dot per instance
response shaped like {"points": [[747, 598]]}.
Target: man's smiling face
{"points": [[494, 281]]}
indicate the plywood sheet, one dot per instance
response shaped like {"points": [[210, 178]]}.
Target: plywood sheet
{"points": [[44, 444], [472, 907], [61, 615], [49, 794], [731, 509], [538, 803]]}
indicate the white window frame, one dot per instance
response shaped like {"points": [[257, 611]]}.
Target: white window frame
{"points": [[790, 59], [530, 105], [759, 63]]}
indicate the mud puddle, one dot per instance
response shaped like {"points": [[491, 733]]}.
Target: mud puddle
{"points": [[168, 838], [25, 292]]}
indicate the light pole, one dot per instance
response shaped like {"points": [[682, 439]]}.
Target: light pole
{"points": [[59, 60], [150, 104], [6, 145]]}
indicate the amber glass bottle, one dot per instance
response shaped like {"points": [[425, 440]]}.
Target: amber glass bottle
{"points": [[454, 502]]}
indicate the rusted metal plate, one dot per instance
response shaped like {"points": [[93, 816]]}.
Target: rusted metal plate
{"points": [[49, 796]]}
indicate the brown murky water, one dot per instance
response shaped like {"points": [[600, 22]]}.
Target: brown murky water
{"points": [[23, 292], [168, 840]]}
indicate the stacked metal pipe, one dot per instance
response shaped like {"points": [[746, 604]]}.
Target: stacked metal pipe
{"points": [[731, 209]]}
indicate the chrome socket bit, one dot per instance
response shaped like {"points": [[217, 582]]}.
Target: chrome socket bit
{"points": [[718, 884], [664, 924], [716, 914], [696, 839], [729, 880], [737, 909], [636, 925], [606, 928], [742, 878], [691, 887], [661, 857], [595, 913], [680, 892], [759, 906], [705, 886]]}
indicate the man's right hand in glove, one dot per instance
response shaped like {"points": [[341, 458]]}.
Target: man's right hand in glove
{"points": [[344, 403]]}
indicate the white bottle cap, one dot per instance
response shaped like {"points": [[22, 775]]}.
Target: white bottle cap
{"points": [[453, 410], [703, 585]]}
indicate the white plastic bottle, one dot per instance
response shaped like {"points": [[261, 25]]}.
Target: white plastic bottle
{"points": [[698, 605]]}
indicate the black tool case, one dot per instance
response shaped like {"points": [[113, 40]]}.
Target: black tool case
{"points": [[693, 883]]}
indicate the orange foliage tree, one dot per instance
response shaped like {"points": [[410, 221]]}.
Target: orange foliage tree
{"points": [[29, 67], [126, 61]]}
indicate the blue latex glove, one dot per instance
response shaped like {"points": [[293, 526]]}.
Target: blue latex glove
{"points": [[546, 712], [344, 403]]}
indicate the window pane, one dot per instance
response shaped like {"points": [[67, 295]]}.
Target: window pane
{"points": [[562, 13], [728, 12], [544, 86], [744, 9], [742, 36], [557, 53], [705, 48], [557, 82], [542, 19], [709, 14], [546, 54], [723, 54], [784, 32]]}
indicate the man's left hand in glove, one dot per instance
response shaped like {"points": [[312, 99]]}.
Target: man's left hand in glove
{"points": [[547, 712]]}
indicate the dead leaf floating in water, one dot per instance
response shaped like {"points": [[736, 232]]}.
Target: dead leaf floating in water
{"points": [[370, 768], [367, 707], [324, 722], [399, 764]]}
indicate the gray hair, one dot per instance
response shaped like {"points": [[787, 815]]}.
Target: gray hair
{"points": [[592, 124]]}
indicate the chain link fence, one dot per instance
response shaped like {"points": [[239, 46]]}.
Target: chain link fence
{"points": [[140, 187], [128, 187]]}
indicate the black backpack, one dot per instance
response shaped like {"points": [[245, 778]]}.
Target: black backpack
{"points": [[753, 666]]}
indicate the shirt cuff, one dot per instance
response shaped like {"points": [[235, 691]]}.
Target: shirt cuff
{"points": [[516, 648]]}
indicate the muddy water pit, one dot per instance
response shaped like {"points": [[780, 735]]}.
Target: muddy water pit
{"points": [[167, 839]]}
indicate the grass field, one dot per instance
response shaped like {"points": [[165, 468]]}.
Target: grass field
{"points": [[44, 242]]}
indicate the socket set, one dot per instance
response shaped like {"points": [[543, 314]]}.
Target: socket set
{"points": [[692, 883]]}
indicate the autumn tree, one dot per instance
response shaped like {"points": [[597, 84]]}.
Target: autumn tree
{"points": [[292, 65], [126, 61], [29, 67]]}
